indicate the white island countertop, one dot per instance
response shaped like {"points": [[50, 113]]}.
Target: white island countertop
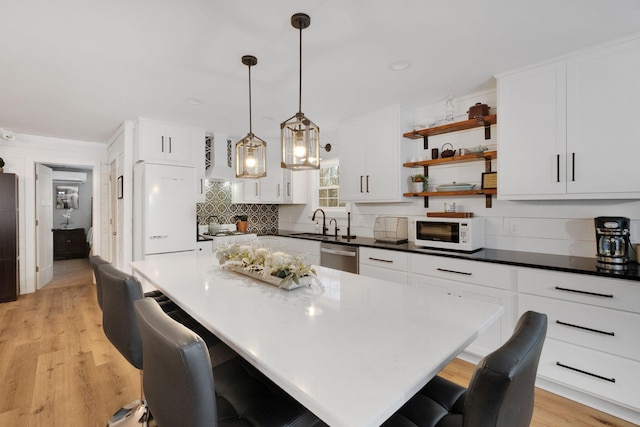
{"points": [[352, 353]]}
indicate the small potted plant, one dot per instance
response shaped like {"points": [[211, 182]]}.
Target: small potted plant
{"points": [[418, 183], [1, 165]]}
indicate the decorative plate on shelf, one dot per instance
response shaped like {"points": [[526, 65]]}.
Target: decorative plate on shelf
{"points": [[454, 186]]}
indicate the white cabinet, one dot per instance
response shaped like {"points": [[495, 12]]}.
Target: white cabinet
{"points": [[560, 121], [532, 132], [246, 191], [158, 141], [295, 187], [384, 264], [309, 249], [197, 136], [371, 153], [280, 186], [592, 339], [473, 280]]}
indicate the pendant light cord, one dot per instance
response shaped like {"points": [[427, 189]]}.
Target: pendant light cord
{"points": [[250, 118], [300, 79]]}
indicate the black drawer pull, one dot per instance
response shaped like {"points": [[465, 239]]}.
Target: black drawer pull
{"points": [[560, 322], [381, 260], [562, 365], [453, 271], [584, 292]]}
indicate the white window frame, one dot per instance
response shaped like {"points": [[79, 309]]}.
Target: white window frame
{"points": [[338, 212]]}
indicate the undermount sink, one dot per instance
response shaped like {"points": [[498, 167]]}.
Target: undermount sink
{"points": [[311, 235]]}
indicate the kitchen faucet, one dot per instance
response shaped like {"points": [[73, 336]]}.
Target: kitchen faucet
{"points": [[324, 221], [335, 222]]}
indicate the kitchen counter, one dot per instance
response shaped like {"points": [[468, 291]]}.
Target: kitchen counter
{"points": [[569, 264]]}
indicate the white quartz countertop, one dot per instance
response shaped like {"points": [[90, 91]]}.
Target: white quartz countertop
{"points": [[352, 352]]}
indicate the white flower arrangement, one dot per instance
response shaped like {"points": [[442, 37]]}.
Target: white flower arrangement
{"points": [[260, 261]]}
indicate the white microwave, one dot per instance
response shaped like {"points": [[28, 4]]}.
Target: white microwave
{"points": [[457, 234]]}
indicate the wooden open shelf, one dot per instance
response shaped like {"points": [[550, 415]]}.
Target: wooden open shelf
{"points": [[487, 155], [485, 122], [452, 193]]}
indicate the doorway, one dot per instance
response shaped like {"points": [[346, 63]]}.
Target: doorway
{"points": [[64, 217]]}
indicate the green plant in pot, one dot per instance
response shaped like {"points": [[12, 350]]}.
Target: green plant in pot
{"points": [[419, 183]]}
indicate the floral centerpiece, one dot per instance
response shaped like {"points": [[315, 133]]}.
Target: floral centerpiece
{"points": [[277, 268]]}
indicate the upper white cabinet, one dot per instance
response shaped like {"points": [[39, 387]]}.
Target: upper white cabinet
{"points": [[279, 186], [371, 156], [560, 122], [158, 141]]}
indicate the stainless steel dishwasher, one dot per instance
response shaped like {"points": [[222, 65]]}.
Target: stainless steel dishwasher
{"points": [[340, 257]]}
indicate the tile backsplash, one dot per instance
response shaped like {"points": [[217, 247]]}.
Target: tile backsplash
{"points": [[261, 218]]}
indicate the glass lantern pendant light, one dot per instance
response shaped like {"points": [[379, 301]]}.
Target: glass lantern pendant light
{"points": [[251, 151], [300, 137]]}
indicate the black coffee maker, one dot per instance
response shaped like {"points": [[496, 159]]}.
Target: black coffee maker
{"points": [[612, 242]]}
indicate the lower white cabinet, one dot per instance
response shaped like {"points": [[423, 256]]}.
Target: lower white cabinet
{"points": [[472, 280], [310, 249], [384, 264], [592, 341]]}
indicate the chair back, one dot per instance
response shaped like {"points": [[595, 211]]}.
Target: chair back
{"points": [[178, 379], [119, 291], [96, 262], [501, 391]]}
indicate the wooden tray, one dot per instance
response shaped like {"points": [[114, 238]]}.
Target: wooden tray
{"points": [[450, 214]]}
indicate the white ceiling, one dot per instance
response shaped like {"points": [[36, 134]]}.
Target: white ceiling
{"points": [[77, 69]]}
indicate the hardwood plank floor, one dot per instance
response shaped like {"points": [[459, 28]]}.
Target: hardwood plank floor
{"points": [[58, 369]]}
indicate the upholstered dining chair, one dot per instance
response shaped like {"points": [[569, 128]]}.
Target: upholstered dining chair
{"points": [[501, 391], [183, 390], [119, 291], [96, 261]]}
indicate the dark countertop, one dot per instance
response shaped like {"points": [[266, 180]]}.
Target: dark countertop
{"points": [[564, 263]]}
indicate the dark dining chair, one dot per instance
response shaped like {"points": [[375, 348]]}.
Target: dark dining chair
{"points": [[501, 391], [119, 291], [96, 261], [184, 390]]}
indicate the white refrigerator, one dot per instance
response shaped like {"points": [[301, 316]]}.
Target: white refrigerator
{"points": [[164, 218]]}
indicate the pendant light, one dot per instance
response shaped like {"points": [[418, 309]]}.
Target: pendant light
{"points": [[299, 136], [251, 151]]}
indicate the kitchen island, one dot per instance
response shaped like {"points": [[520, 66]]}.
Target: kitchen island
{"points": [[352, 350]]}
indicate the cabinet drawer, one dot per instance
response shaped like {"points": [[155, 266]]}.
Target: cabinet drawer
{"points": [[393, 260], [480, 273], [604, 375], [602, 329], [611, 293], [384, 274]]}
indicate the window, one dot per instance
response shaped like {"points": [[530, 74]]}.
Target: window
{"points": [[329, 186]]}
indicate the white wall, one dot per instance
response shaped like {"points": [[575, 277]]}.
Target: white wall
{"points": [[554, 227], [21, 155]]}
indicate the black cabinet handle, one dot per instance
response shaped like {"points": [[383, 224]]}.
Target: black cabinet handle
{"points": [[162, 145], [558, 167], [361, 183], [367, 183], [381, 260], [571, 325], [595, 294], [453, 271], [169, 144], [573, 166], [562, 365]]}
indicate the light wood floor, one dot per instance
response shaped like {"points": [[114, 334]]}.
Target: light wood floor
{"points": [[58, 369]]}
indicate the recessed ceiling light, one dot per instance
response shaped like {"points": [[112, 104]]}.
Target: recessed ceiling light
{"points": [[400, 65], [194, 101]]}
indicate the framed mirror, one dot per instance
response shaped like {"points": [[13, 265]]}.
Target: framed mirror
{"points": [[66, 197]]}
